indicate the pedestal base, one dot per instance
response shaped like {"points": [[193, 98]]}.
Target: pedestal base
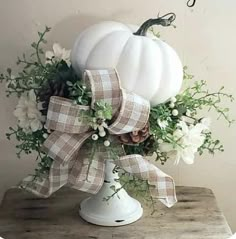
{"points": [[113, 216], [118, 210]]}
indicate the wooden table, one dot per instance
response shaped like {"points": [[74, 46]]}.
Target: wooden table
{"points": [[196, 215]]}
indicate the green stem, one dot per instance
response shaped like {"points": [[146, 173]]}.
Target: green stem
{"points": [[25, 62], [217, 94], [165, 22], [37, 54], [116, 191], [41, 37]]}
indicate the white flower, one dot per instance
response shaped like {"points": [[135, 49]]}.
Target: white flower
{"points": [[189, 139], [162, 123], [100, 126], [188, 112], [184, 118], [58, 54], [27, 113], [206, 122]]}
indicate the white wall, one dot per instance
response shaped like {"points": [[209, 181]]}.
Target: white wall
{"points": [[205, 40]]}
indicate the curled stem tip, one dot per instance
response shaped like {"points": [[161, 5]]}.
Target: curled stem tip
{"points": [[189, 4], [164, 21]]}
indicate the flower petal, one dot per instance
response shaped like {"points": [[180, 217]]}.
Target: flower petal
{"points": [[24, 124], [66, 54], [166, 147], [19, 113], [35, 125], [49, 55], [188, 155], [57, 49], [206, 122], [183, 126], [32, 96]]}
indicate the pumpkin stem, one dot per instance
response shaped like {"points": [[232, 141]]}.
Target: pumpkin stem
{"points": [[163, 21]]}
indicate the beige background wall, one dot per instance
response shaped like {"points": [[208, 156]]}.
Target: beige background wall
{"points": [[205, 40]]}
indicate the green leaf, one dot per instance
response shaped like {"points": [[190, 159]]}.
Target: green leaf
{"points": [[41, 51], [113, 188], [40, 34], [34, 45], [47, 29], [69, 83], [9, 71]]}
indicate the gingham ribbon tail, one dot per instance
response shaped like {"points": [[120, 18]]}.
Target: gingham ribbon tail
{"points": [[70, 131]]}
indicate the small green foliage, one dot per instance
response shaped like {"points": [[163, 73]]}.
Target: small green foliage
{"points": [[34, 72], [97, 116], [197, 97], [103, 110], [154, 32], [28, 142], [79, 92], [187, 76], [31, 142], [211, 145]]}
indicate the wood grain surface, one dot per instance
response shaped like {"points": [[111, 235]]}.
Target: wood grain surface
{"points": [[196, 215]]}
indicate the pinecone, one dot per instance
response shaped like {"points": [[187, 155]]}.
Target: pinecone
{"points": [[135, 137], [55, 87], [148, 146]]}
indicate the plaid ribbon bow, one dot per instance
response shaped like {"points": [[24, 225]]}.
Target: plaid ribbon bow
{"points": [[130, 113]]}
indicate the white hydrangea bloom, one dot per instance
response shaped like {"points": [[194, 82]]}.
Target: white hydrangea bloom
{"points": [[189, 138], [58, 54], [27, 113]]}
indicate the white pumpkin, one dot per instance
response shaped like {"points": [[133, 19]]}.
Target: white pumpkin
{"points": [[146, 65]]}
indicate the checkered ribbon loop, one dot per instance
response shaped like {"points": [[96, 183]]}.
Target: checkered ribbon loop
{"points": [[130, 113]]}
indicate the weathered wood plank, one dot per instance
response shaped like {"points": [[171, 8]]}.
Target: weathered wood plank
{"points": [[196, 216]]}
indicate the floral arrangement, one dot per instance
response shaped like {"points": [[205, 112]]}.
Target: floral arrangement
{"points": [[176, 129]]}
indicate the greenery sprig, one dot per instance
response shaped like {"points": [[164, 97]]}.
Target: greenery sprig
{"points": [[34, 72]]}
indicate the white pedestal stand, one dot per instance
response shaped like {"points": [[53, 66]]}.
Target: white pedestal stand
{"points": [[119, 210]]}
